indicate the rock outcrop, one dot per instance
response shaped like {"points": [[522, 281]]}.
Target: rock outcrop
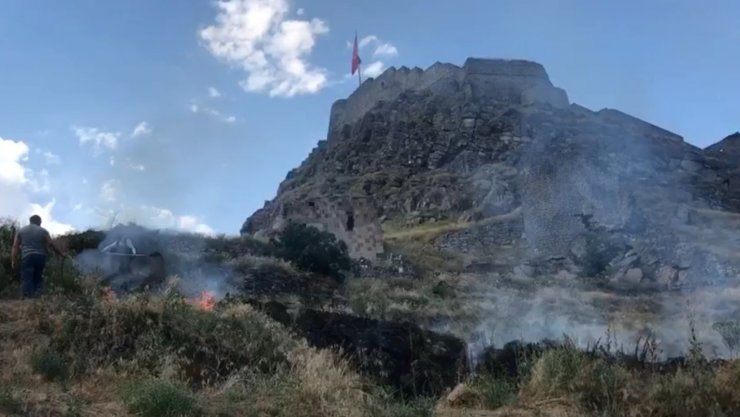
{"points": [[495, 147]]}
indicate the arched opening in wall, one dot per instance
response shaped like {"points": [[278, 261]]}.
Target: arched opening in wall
{"points": [[350, 221]]}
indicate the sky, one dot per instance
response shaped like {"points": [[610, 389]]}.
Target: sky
{"points": [[188, 114]]}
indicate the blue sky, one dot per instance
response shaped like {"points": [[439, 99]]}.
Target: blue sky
{"points": [[188, 114]]}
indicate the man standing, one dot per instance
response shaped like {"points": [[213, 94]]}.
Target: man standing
{"points": [[33, 242]]}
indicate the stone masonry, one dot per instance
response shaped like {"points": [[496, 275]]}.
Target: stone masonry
{"points": [[352, 220]]}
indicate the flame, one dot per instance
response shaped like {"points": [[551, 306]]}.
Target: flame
{"points": [[206, 301]]}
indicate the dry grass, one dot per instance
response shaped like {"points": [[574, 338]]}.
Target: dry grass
{"points": [[566, 381], [122, 363]]}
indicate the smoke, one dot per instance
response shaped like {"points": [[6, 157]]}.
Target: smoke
{"points": [[184, 258], [596, 175]]}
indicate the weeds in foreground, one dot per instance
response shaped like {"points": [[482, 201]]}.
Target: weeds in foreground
{"points": [[159, 398], [50, 365], [385, 404], [9, 401], [494, 391]]}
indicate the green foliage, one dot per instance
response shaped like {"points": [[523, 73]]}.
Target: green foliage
{"points": [[494, 391], [387, 404], [367, 299], [313, 250], [443, 290], [600, 250], [50, 364], [8, 279], [159, 398], [61, 276], [76, 243], [9, 402], [561, 366]]}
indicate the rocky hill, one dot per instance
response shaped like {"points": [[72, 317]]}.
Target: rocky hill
{"points": [[487, 174], [495, 138]]}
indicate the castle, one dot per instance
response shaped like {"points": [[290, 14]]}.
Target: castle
{"points": [[353, 220]]}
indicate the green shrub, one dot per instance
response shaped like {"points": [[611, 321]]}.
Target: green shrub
{"points": [[313, 250], [159, 398], [7, 277], [61, 276], [386, 404], [600, 250], [494, 391], [9, 403], [77, 242], [50, 364]]}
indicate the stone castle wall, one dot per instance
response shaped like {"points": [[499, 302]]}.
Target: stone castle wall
{"points": [[354, 221], [517, 81]]}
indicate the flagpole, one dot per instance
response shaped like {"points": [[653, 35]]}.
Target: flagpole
{"points": [[359, 66]]}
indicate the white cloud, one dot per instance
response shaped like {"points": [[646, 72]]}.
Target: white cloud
{"points": [[386, 50], [380, 49], [12, 154], [374, 69], [39, 182], [192, 224], [78, 207], [47, 218], [135, 166], [256, 36], [213, 92], [367, 40], [52, 159], [109, 191], [17, 183], [213, 112], [99, 139], [141, 129], [300, 12]]}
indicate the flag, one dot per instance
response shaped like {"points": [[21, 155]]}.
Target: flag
{"points": [[355, 57]]}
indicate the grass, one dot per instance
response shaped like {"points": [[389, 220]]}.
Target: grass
{"points": [[494, 391], [9, 401], [159, 398], [50, 365]]}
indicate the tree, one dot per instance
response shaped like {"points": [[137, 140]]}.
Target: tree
{"points": [[313, 250]]}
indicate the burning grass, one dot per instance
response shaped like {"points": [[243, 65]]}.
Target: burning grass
{"points": [[92, 355]]}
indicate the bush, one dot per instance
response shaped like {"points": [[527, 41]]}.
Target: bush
{"points": [[159, 398], [49, 364], [61, 276], [313, 250], [9, 402], [76, 243], [386, 404], [7, 233], [494, 391]]}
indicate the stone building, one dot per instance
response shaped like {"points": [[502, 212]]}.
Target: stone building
{"points": [[353, 220]]}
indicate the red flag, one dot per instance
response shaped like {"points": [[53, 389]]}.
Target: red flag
{"points": [[355, 57]]}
